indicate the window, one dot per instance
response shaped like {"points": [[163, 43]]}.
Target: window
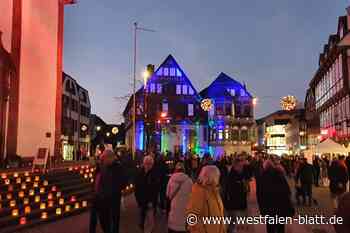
{"points": [[232, 92], [153, 88], [244, 135], [190, 109], [159, 88], [184, 89], [227, 134], [172, 71], [178, 89], [190, 90], [228, 110], [178, 73], [166, 71], [160, 71], [165, 107], [220, 136], [219, 109], [243, 92]]}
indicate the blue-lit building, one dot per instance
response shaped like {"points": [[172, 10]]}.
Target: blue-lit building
{"points": [[168, 113], [231, 121]]}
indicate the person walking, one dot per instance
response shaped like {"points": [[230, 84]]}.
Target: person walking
{"points": [[178, 192], [317, 171], [305, 176], [338, 177], [205, 201], [343, 211], [275, 196], [147, 185], [235, 193]]}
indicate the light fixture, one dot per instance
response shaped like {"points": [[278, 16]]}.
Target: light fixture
{"points": [[77, 205], [84, 128], [18, 180], [23, 186], [35, 184], [54, 189], [31, 192], [28, 179], [49, 196], [9, 196], [3, 176], [7, 181], [58, 194], [45, 183], [73, 199], [36, 178], [115, 130], [98, 128], [61, 201], [50, 204], [15, 174], [26, 174], [42, 190], [86, 176], [20, 194], [108, 134]]}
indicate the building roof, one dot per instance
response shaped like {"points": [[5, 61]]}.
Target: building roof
{"points": [[220, 87], [296, 112]]}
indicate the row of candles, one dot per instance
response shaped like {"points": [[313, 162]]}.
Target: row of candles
{"points": [[44, 215]]}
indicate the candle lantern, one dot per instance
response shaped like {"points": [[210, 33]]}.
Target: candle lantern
{"points": [[70, 169], [42, 190], [77, 205], [84, 204], [14, 212], [58, 211], [45, 183], [42, 205], [73, 199], [36, 178], [37, 199], [23, 186], [61, 201], [15, 174], [25, 201], [31, 192], [28, 179], [67, 209], [90, 175], [44, 215], [23, 221], [12, 203], [81, 172], [20, 194], [18, 180], [50, 204], [27, 210]]}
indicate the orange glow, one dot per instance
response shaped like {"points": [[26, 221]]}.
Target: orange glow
{"points": [[21, 194], [50, 204], [27, 210], [23, 221], [37, 198], [3, 176], [67, 209], [31, 192], [163, 114], [42, 206], [44, 215], [14, 212], [84, 204]]}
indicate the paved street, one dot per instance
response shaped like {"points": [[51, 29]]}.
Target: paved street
{"points": [[129, 218]]}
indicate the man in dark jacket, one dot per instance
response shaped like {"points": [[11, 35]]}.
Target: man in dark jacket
{"points": [[305, 176], [343, 211], [147, 185]]}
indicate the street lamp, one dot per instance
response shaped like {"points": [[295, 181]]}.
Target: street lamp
{"points": [[136, 28]]}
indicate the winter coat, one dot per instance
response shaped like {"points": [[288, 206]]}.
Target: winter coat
{"points": [[275, 194], [178, 191], [344, 212], [338, 177], [306, 174], [147, 187], [235, 191], [205, 201]]}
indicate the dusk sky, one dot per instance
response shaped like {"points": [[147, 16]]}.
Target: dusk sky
{"points": [[271, 45]]}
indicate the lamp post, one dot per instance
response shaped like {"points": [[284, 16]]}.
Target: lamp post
{"points": [[136, 28]]}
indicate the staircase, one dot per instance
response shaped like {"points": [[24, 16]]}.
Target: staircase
{"points": [[28, 199]]}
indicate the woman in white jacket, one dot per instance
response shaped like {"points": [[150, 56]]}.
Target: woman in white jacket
{"points": [[178, 192]]}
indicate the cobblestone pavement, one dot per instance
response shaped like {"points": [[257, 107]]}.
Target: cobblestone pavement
{"points": [[129, 218]]}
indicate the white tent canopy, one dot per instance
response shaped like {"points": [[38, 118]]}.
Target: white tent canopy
{"points": [[329, 146]]}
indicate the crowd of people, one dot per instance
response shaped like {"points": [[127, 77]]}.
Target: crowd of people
{"points": [[178, 186]]}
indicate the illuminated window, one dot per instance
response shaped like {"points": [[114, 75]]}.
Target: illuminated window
{"points": [[153, 88], [220, 136], [243, 92], [178, 89], [165, 107], [190, 91], [159, 88], [226, 134], [160, 71], [166, 71], [184, 89], [178, 73], [190, 109], [172, 71], [232, 92]]}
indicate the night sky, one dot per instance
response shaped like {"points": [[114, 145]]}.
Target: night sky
{"points": [[271, 45]]}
